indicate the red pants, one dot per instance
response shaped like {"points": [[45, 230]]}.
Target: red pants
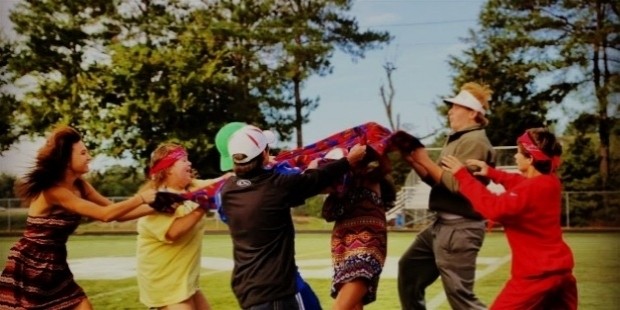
{"points": [[557, 291]]}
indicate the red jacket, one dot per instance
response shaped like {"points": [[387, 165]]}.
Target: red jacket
{"points": [[530, 211]]}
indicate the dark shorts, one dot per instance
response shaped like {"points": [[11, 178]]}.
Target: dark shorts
{"points": [[286, 303]]}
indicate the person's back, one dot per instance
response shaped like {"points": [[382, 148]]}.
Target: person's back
{"points": [[262, 231], [256, 202]]}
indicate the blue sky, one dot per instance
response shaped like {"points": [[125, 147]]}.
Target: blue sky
{"points": [[425, 34]]}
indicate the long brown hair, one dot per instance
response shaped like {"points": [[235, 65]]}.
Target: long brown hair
{"points": [[51, 164]]}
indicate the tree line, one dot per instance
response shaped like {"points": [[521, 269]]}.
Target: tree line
{"points": [[130, 74]]}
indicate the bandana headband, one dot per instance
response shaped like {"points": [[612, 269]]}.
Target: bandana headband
{"points": [[537, 153], [168, 160]]}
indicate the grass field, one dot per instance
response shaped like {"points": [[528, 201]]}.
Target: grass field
{"points": [[597, 269]]}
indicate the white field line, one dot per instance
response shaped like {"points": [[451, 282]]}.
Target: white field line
{"points": [[111, 268], [440, 298], [135, 287]]}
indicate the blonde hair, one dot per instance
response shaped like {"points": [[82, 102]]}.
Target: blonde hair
{"points": [[483, 93], [156, 180]]}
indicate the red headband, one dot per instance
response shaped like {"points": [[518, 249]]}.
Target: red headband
{"points": [[537, 153], [168, 160]]}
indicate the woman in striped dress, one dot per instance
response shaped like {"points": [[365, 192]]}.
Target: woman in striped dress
{"points": [[36, 274]]}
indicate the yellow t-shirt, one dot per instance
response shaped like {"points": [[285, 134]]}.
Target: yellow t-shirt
{"points": [[168, 272]]}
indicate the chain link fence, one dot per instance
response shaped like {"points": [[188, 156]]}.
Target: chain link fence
{"points": [[591, 209], [587, 209]]}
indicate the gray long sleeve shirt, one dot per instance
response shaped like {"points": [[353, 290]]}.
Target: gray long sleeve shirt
{"points": [[470, 143]]}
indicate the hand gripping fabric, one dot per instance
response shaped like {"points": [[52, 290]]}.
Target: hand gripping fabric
{"points": [[166, 202], [206, 197], [405, 142]]}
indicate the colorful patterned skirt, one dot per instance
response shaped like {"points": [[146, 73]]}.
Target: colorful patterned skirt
{"points": [[359, 248]]}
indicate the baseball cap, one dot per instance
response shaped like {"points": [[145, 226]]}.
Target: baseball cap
{"points": [[466, 99], [221, 143], [249, 141]]}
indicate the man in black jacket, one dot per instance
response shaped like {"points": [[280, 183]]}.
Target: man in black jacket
{"points": [[257, 203]]}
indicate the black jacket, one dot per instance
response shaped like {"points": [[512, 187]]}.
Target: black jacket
{"points": [[261, 227]]}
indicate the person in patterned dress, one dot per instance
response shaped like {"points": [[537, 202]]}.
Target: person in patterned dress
{"points": [[359, 235], [36, 274]]}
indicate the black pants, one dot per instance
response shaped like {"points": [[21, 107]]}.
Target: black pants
{"points": [[286, 303]]}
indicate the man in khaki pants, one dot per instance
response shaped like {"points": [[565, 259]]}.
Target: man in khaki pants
{"points": [[449, 246]]}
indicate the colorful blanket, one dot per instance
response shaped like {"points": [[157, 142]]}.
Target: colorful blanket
{"points": [[375, 136]]}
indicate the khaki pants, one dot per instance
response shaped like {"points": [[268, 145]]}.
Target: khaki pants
{"points": [[448, 248]]}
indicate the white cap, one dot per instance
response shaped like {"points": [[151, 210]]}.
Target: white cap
{"points": [[466, 99], [249, 141]]}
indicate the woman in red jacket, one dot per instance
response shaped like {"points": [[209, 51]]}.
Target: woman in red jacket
{"points": [[529, 210]]}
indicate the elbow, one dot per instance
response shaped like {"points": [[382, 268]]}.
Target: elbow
{"points": [[172, 237], [106, 219]]}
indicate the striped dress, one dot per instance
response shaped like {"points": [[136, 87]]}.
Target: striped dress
{"points": [[36, 275], [359, 242]]}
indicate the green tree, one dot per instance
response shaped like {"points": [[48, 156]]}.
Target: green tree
{"points": [[545, 51], [579, 169], [117, 181], [490, 62], [167, 80], [132, 74], [580, 174], [55, 41], [7, 185], [8, 103], [311, 31]]}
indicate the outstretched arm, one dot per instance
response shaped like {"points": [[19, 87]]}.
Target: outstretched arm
{"points": [[491, 206], [313, 181], [66, 199], [424, 166], [93, 195]]}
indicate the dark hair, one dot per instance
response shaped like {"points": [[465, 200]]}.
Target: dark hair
{"points": [[377, 168], [547, 143], [373, 166], [255, 164], [51, 163], [388, 192]]}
